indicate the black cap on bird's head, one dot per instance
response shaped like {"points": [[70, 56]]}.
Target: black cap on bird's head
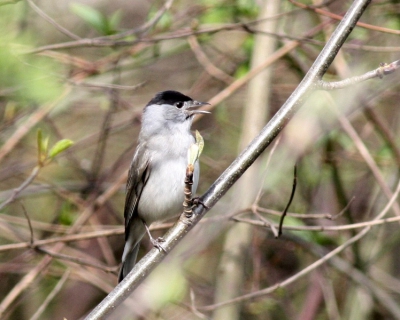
{"points": [[169, 97], [180, 101]]}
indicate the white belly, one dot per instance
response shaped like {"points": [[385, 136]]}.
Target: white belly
{"points": [[163, 194]]}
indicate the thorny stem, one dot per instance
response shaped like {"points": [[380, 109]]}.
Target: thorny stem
{"points": [[188, 202]]}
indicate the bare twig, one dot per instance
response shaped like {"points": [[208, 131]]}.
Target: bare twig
{"points": [[362, 149], [107, 86], [290, 200], [206, 63], [296, 215], [37, 315], [80, 261], [312, 266], [99, 154], [333, 217], [266, 221], [339, 18], [44, 263], [192, 306], [109, 42], [384, 69], [228, 91], [33, 119], [350, 226], [32, 240], [384, 130], [50, 20], [264, 175], [24, 185], [147, 25], [68, 238]]}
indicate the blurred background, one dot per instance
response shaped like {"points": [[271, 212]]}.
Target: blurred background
{"points": [[74, 78]]}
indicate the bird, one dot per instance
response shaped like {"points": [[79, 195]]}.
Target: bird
{"points": [[155, 185]]}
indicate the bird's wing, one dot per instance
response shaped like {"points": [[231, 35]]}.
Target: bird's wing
{"points": [[139, 173]]}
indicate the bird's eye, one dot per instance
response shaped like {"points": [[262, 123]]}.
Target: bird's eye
{"points": [[179, 104]]}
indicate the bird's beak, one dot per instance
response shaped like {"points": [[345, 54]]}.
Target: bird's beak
{"points": [[197, 104]]}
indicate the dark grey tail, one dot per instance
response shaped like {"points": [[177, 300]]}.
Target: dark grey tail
{"points": [[134, 235], [128, 263]]}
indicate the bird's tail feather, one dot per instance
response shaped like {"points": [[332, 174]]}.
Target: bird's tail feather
{"points": [[128, 263], [131, 248]]}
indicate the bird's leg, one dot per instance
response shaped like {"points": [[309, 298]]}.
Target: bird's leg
{"points": [[155, 242]]}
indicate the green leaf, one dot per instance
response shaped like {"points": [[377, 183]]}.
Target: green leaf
{"points": [[114, 21], [193, 154], [199, 142], [195, 149], [91, 16], [59, 147]]}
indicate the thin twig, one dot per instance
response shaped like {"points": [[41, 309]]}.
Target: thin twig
{"points": [[350, 226], [33, 119], [45, 262], [31, 240], [24, 185], [296, 215], [50, 20], [206, 63], [339, 18], [290, 201], [333, 217], [363, 150], [79, 261], [147, 25], [266, 221], [107, 86], [192, 306], [312, 266], [37, 315], [68, 238], [264, 175], [384, 130], [384, 69], [107, 42], [228, 91]]}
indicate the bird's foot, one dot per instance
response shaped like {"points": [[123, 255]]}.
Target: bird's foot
{"points": [[196, 201], [158, 243], [155, 242]]}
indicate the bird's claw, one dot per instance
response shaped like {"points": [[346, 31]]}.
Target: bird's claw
{"points": [[157, 243], [196, 201]]}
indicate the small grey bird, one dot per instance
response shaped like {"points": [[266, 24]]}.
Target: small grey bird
{"points": [[155, 187]]}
